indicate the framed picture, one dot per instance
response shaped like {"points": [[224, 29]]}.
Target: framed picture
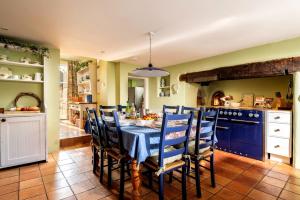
{"points": [[247, 100]]}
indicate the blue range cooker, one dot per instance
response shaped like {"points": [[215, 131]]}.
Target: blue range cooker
{"points": [[241, 132]]}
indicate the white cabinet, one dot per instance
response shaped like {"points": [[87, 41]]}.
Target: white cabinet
{"points": [[279, 133], [23, 139]]}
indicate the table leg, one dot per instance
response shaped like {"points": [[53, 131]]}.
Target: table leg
{"points": [[136, 181]]}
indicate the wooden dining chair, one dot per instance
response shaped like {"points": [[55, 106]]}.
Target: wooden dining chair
{"points": [[98, 141], [115, 150], [171, 109], [169, 158], [202, 148], [122, 108]]}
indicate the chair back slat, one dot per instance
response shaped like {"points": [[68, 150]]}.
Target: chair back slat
{"points": [[174, 129], [206, 135], [171, 142], [171, 109], [175, 152], [167, 129], [208, 124], [185, 110]]}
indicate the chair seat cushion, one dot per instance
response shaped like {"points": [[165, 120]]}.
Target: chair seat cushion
{"points": [[115, 153], [169, 163]]}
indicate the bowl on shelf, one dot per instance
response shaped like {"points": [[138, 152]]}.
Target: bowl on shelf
{"points": [[25, 60]]}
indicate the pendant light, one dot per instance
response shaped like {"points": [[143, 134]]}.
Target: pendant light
{"points": [[150, 71]]}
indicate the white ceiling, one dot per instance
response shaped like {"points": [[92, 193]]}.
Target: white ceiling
{"points": [[185, 29]]}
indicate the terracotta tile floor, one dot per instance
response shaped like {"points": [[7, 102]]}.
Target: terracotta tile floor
{"points": [[67, 175]]}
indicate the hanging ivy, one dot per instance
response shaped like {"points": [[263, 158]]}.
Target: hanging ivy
{"points": [[81, 65], [10, 43]]}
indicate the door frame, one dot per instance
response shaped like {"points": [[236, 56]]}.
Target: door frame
{"points": [[146, 89]]}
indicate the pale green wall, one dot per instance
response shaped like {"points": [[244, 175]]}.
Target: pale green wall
{"points": [[259, 87], [52, 76], [122, 71], [296, 123], [107, 77]]}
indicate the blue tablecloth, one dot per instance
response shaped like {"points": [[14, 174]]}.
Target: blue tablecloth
{"points": [[140, 142]]}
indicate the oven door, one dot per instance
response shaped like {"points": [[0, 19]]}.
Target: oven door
{"points": [[247, 138], [223, 135]]}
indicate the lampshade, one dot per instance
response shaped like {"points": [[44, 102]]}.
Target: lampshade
{"points": [[150, 71]]}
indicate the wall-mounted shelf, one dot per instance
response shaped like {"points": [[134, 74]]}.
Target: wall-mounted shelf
{"points": [[164, 89], [13, 63], [19, 80]]}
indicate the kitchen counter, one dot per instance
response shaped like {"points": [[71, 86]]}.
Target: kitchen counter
{"points": [[25, 114], [246, 108]]}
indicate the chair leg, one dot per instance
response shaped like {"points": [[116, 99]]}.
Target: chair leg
{"points": [[183, 182], [161, 186], [188, 168], [122, 180], [109, 170], [212, 171], [197, 173], [128, 169], [170, 177], [101, 166], [150, 179], [95, 159]]}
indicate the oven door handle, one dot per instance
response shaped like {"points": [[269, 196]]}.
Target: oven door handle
{"points": [[219, 118], [223, 127], [245, 121]]}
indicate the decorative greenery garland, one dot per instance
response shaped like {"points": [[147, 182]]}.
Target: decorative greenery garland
{"points": [[81, 65], [23, 46]]}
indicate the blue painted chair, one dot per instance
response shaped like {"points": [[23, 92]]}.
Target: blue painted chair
{"points": [[171, 109], [98, 141], [170, 158], [122, 108], [115, 149], [202, 148]]}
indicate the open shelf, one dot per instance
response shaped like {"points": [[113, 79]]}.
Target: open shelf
{"points": [[13, 63], [19, 80]]}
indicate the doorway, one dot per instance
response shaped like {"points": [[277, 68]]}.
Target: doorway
{"points": [[138, 92]]}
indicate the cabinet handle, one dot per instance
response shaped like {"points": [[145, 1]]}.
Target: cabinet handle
{"points": [[3, 120], [277, 130], [277, 146], [278, 117]]}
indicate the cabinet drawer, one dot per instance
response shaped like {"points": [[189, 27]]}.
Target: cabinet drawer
{"points": [[279, 117], [279, 130], [278, 146]]}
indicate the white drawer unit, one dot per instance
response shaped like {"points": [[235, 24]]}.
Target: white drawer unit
{"points": [[279, 146], [278, 128], [279, 116]]}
